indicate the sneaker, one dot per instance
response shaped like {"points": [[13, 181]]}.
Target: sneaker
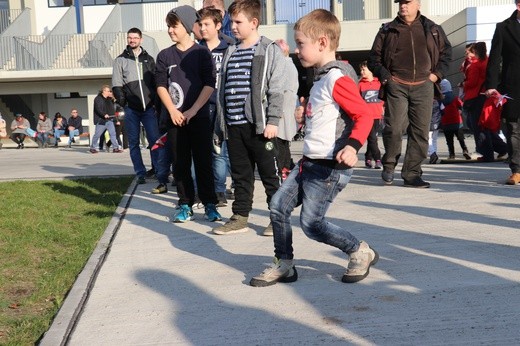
{"points": [[174, 183], [359, 263], [368, 163], [161, 188], [184, 214], [236, 224], [230, 193], [197, 203], [268, 231], [93, 151], [279, 271], [417, 183], [434, 158], [141, 180], [467, 156], [378, 165], [451, 157], [117, 151], [150, 173], [222, 201], [211, 213], [388, 176], [513, 179], [501, 157]]}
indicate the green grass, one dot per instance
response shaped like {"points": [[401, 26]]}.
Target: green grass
{"points": [[48, 229]]}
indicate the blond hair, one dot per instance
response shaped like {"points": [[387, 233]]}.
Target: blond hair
{"points": [[319, 23]]}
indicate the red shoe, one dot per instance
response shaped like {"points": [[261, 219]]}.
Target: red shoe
{"points": [[118, 151], [93, 151]]}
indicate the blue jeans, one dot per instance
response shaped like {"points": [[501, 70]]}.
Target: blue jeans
{"points": [[133, 121], [314, 188], [100, 128], [43, 137], [221, 167], [72, 134], [57, 134]]}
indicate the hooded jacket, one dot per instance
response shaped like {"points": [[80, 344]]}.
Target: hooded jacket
{"points": [[336, 115], [133, 80], [265, 102]]}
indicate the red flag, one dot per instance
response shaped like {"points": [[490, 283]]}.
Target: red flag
{"points": [[160, 142]]}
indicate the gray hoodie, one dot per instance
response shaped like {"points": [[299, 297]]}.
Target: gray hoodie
{"points": [[265, 103]]}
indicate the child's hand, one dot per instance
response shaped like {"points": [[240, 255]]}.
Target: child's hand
{"points": [[270, 131], [347, 156], [177, 118], [188, 115], [299, 112]]}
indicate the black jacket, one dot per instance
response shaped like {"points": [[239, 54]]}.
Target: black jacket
{"points": [[503, 69]]}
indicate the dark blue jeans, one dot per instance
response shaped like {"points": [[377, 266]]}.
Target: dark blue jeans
{"points": [[133, 121], [314, 187]]}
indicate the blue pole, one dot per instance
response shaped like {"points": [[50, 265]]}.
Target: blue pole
{"points": [[78, 5]]}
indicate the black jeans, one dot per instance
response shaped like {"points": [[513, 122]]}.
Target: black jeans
{"points": [[18, 138], [408, 110], [513, 134], [449, 134], [245, 149], [373, 152], [193, 141]]}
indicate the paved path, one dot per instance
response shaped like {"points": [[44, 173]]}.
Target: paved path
{"points": [[449, 271]]}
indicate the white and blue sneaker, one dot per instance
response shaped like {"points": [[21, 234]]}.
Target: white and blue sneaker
{"points": [[184, 214], [211, 213]]}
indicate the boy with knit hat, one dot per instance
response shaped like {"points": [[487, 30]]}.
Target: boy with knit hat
{"points": [[185, 78]]}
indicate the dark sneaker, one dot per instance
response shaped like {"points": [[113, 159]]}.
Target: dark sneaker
{"points": [[141, 180], [161, 188], [359, 263], [184, 214], [279, 271], [388, 176], [93, 151], [118, 151], [230, 193], [451, 157], [417, 182], [268, 231], [222, 201], [211, 213], [150, 173], [467, 156], [368, 163], [501, 157], [236, 224], [434, 158], [379, 164]]}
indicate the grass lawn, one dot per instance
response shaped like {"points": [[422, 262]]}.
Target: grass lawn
{"points": [[48, 229]]}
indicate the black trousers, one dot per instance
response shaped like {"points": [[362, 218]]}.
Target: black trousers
{"points": [[18, 138], [449, 134], [373, 152], [245, 149], [187, 143]]}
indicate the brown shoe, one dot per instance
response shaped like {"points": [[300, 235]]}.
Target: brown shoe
{"points": [[513, 179]]}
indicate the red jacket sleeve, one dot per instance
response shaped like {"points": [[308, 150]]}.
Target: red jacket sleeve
{"points": [[346, 94]]}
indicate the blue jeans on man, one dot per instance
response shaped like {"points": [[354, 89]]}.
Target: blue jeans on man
{"points": [[100, 128], [314, 187], [133, 121], [73, 134], [57, 134]]}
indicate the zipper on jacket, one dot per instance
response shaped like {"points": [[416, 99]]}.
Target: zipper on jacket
{"points": [[139, 77]]}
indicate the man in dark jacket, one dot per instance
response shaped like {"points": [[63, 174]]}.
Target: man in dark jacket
{"points": [[134, 89], [410, 56], [503, 75]]}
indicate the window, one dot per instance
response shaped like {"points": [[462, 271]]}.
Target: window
{"points": [[70, 95]]}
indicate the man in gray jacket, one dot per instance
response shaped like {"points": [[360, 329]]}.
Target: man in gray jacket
{"points": [[410, 56], [134, 89]]}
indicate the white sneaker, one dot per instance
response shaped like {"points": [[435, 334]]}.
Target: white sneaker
{"points": [[360, 262]]}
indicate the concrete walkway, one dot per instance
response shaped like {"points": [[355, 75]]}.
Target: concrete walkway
{"points": [[449, 271]]}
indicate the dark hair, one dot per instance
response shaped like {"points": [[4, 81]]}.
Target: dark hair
{"points": [[479, 49], [362, 64], [210, 12], [135, 31], [57, 115], [172, 19], [250, 8]]}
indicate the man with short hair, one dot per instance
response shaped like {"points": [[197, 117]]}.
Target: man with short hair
{"points": [[74, 125], [133, 83], [410, 56], [503, 76]]}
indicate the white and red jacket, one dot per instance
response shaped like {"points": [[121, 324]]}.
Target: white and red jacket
{"points": [[336, 114]]}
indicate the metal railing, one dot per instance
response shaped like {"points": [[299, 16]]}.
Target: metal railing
{"points": [[68, 51], [7, 17]]}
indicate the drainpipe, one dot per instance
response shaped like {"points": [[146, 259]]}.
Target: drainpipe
{"points": [[78, 5]]}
